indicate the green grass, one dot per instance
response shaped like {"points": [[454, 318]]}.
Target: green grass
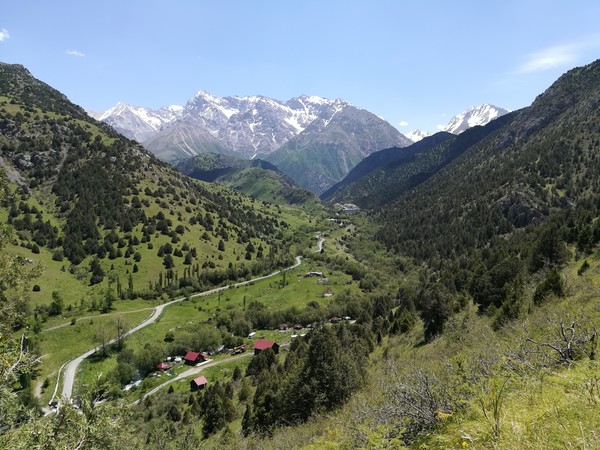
{"points": [[194, 312], [59, 346]]}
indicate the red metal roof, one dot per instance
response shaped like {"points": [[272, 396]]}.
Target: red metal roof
{"points": [[191, 356], [163, 366], [263, 344], [200, 381]]}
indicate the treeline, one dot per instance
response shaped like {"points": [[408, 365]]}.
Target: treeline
{"points": [[320, 373]]}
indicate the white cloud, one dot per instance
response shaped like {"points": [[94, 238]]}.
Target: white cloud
{"points": [[4, 34], [565, 55], [440, 127], [561, 55], [75, 53], [403, 123]]}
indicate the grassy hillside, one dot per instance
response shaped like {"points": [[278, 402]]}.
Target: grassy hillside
{"points": [[105, 218], [256, 178], [475, 387]]}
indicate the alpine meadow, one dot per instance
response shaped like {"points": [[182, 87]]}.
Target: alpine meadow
{"points": [[250, 273]]}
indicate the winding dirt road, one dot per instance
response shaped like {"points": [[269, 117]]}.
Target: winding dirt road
{"points": [[70, 369]]}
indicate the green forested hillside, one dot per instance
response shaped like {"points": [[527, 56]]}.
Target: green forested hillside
{"points": [[98, 210], [541, 164], [256, 178], [383, 176]]}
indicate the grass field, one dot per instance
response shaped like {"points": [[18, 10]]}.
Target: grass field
{"points": [[60, 345], [195, 312]]}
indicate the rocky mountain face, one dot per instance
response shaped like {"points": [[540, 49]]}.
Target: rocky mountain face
{"points": [[136, 122], [331, 132], [476, 115], [328, 149]]}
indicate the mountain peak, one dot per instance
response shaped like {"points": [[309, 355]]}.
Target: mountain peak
{"points": [[473, 116], [136, 122], [416, 135]]}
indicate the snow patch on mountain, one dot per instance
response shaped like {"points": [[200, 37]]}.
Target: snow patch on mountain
{"points": [[474, 116], [136, 122], [417, 135]]}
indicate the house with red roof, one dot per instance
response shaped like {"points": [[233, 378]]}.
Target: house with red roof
{"points": [[198, 383], [193, 358], [162, 366], [263, 344]]}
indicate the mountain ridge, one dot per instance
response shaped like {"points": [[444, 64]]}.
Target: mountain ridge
{"points": [[333, 134]]}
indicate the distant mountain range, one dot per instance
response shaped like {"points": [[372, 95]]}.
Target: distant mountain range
{"points": [[313, 140], [476, 115]]}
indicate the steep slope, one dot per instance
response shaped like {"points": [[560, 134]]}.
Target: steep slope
{"points": [[543, 164], [256, 178], [380, 160], [329, 148], [384, 175], [89, 199]]}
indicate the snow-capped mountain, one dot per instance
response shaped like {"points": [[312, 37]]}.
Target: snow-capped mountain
{"points": [[334, 144], [136, 122], [247, 126], [476, 115], [257, 126], [416, 135]]}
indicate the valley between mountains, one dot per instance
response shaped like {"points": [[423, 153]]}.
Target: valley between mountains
{"points": [[352, 287]]}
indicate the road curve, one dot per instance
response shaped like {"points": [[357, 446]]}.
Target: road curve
{"points": [[320, 244], [70, 369]]}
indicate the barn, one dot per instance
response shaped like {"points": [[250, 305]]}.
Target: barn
{"points": [[263, 344], [193, 358], [162, 366], [198, 383]]}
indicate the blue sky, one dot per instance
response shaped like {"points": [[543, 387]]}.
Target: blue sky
{"points": [[416, 63]]}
